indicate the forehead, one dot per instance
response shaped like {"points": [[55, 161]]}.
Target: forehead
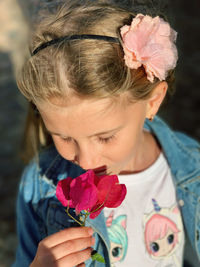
{"points": [[78, 104], [87, 116]]}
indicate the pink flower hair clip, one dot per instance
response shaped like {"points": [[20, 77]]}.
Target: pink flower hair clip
{"points": [[150, 42]]}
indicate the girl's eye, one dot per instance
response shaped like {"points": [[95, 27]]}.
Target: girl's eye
{"points": [[106, 140], [66, 139], [100, 139]]}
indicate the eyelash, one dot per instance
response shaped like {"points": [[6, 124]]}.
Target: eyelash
{"points": [[100, 139], [66, 139], [107, 139]]}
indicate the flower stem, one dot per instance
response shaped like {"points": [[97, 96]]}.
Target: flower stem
{"points": [[85, 218], [81, 224], [97, 208]]}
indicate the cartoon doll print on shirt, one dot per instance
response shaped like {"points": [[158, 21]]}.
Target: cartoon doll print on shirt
{"points": [[118, 237], [163, 233]]}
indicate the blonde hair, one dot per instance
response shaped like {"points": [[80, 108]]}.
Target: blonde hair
{"points": [[86, 68]]}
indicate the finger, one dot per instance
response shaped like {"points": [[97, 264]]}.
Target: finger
{"points": [[75, 258], [71, 246], [67, 234]]}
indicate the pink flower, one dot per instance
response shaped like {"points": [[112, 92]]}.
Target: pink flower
{"points": [[150, 42], [91, 193]]}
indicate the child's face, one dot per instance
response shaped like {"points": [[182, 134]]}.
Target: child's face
{"points": [[97, 132]]}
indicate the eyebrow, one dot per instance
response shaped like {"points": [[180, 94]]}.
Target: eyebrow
{"points": [[100, 133]]}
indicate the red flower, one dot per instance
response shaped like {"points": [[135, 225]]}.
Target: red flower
{"points": [[91, 193]]}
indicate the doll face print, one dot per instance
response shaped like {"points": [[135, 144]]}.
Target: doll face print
{"points": [[95, 133], [163, 231], [163, 246], [118, 237]]}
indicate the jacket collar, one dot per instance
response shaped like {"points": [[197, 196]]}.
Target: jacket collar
{"points": [[182, 159]]}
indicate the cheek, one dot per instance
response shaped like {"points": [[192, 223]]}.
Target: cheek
{"points": [[123, 153], [130, 140], [125, 149]]}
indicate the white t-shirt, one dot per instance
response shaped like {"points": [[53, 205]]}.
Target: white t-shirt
{"points": [[147, 230]]}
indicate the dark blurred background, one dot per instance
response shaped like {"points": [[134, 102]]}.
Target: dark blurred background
{"points": [[16, 16]]}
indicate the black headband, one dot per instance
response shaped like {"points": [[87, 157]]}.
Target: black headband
{"points": [[76, 37]]}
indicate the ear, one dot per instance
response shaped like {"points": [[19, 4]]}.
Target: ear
{"points": [[156, 99]]}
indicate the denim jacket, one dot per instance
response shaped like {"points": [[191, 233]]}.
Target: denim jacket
{"points": [[40, 214]]}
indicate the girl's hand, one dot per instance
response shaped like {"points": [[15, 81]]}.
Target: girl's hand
{"points": [[67, 248]]}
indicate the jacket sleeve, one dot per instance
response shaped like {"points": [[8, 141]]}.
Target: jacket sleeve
{"points": [[28, 220]]}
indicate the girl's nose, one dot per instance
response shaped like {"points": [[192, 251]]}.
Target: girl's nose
{"points": [[87, 159]]}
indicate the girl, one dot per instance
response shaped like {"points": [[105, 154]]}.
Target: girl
{"points": [[95, 80]]}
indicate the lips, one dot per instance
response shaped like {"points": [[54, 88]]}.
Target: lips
{"points": [[100, 170]]}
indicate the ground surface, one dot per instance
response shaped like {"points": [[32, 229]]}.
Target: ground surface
{"points": [[183, 111]]}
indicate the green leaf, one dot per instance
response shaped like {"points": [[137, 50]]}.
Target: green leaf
{"points": [[97, 257]]}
